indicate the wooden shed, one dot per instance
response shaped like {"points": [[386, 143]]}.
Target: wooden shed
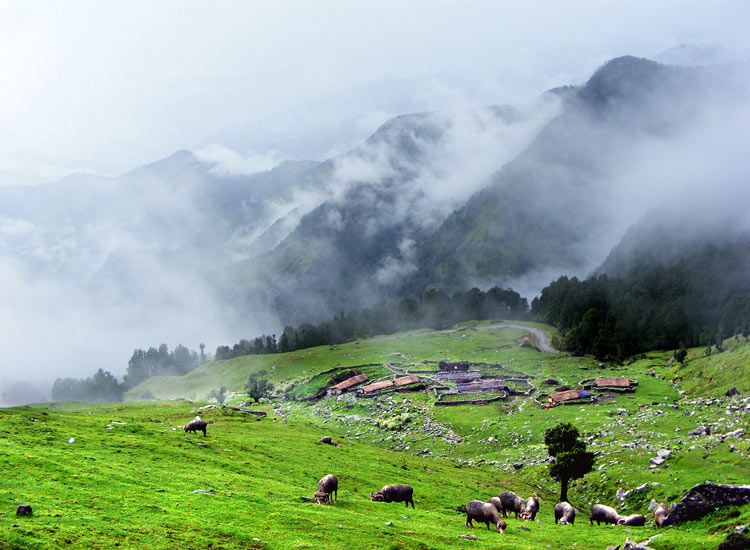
{"points": [[612, 382], [349, 383], [568, 396], [376, 386], [406, 380]]}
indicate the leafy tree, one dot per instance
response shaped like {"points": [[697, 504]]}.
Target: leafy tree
{"points": [[220, 395], [572, 460], [258, 386]]}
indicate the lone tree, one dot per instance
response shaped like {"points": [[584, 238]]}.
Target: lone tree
{"points": [[258, 386], [572, 460], [220, 395]]}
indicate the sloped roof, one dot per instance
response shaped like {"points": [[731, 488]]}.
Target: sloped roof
{"points": [[375, 386], [349, 382], [612, 382], [566, 395], [406, 380]]}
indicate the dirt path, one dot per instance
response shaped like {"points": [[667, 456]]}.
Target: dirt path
{"points": [[541, 337]]}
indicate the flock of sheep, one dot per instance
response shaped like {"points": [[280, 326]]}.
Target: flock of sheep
{"points": [[476, 510], [497, 508]]}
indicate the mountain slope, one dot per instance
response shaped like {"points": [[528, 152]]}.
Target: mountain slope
{"points": [[548, 207]]}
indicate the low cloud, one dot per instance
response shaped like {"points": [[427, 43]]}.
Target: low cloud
{"points": [[227, 162]]}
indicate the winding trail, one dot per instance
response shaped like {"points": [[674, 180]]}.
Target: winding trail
{"points": [[541, 338]]}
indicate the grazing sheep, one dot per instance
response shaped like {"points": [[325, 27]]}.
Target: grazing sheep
{"points": [[565, 514], [530, 508], [484, 512], [497, 503], [511, 502], [603, 514], [327, 487], [196, 425], [394, 493], [636, 520], [660, 513], [524, 509]]}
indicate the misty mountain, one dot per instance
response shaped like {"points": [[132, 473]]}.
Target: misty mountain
{"points": [[132, 259], [200, 246], [360, 244], [665, 285], [556, 205]]}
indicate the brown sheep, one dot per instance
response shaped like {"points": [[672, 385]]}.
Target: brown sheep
{"points": [[484, 512], [497, 503], [565, 514], [660, 513], [394, 493], [603, 514], [327, 487]]}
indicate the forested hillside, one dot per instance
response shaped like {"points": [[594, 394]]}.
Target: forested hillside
{"points": [[657, 293]]}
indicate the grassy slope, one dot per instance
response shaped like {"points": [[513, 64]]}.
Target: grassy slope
{"points": [[716, 373], [133, 484], [414, 346]]}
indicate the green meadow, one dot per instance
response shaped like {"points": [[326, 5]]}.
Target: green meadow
{"points": [[132, 478]]}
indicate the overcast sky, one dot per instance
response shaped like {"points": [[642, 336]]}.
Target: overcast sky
{"points": [[104, 87]]}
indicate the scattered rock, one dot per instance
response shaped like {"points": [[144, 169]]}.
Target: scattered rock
{"points": [[24, 510], [468, 537], [518, 465], [632, 545], [742, 529], [205, 492], [71, 440], [524, 528], [663, 453], [703, 430], [732, 448], [736, 433], [389, 524], [657, 461], [731, 392]]}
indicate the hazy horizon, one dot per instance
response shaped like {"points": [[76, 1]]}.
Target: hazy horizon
{"points": [[105, 88]]}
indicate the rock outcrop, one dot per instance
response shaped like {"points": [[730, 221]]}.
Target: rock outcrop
{"points": [[704, 498]]}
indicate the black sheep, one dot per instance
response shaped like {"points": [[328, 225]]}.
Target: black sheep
{"points": [[394, 493], [196, 425]]}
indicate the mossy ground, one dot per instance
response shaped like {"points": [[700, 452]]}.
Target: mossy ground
{"points": [[132, 485]]}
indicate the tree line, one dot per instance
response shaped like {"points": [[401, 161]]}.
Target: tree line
{"points": [[433, 309], [653, 307], [103, 386]]}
